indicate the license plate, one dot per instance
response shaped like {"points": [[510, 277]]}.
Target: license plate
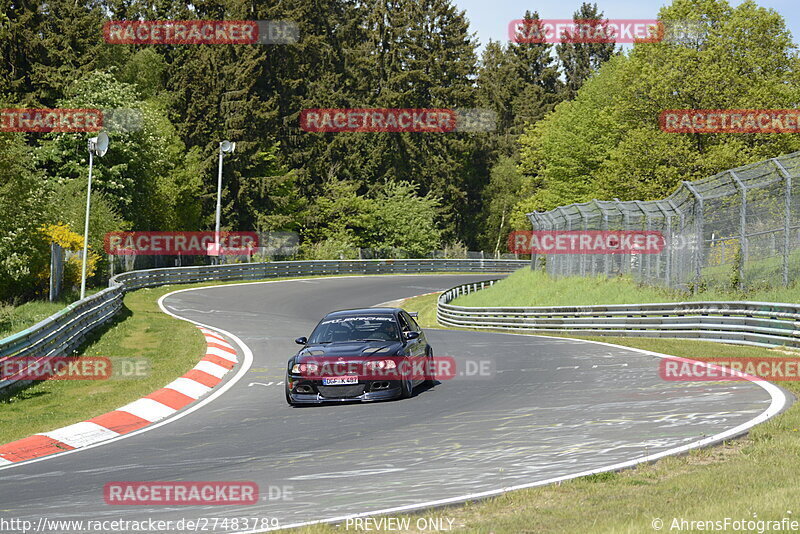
{"points": [[339, 380]]}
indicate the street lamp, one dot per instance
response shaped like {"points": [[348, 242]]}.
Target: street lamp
{"points": [[98, 146], [225, 147]]}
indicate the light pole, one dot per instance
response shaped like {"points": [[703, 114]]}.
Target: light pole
{"points": [[97, 147], [225, 147]]}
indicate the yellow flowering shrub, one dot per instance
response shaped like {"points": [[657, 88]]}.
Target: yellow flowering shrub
{"points": [[69, 240]]}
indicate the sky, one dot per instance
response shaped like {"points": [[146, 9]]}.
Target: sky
{"points": [[490, 18]]}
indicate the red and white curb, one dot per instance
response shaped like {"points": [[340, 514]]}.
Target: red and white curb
{"points": [[220, 359]]}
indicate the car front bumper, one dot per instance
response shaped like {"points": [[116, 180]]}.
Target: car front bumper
{"points": [[320, 394]]}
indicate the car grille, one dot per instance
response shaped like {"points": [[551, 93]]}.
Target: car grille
{"points": [[338, 392]]}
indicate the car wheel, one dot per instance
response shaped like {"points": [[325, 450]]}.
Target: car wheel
{"points": [[288, 398], [406, 387], [430, 375]]}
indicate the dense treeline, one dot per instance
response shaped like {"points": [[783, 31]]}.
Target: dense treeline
{"points": [[339, 191], [573, 121], [606, 143]]}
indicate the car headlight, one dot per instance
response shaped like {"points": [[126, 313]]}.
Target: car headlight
{"points": [[304, 368], [380, 364]]}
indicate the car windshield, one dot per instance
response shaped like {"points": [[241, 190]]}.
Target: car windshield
{"points": [[356, 328]]}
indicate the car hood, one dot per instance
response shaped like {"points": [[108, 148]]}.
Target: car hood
{"points": [[356, 350]]}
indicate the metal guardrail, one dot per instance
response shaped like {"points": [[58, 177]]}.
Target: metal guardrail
{"points": [[764, 324], [63, 332]]}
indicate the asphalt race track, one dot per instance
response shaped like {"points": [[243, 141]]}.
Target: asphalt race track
{"points": [[549, 408]]}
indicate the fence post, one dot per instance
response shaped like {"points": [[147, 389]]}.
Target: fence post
{"points": [[667, 242], [742, 227], [565, 261], [606, 257], [682, 219], [697, 256], [550, 263], [626, 221], [644, 259], [584, 228], [787, 218], [534, 218]]}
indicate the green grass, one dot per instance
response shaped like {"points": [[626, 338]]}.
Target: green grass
{"points": [[756, 474], [759, 272], [14, 319], [527, 287], [425, 305], [142, 332]]}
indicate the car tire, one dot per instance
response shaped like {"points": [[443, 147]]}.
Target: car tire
{"points": [[288, 398], [406, 387], [430, 376]]}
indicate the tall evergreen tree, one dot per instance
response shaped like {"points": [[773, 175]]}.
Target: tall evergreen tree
{"points": [[579, 60], [48, 45], [422, 55], [538, 76]]}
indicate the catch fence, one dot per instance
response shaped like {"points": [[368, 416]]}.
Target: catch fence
{"points": [[738, 228]]}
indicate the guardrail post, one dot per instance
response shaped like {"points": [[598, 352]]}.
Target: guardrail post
{"points": [[787, 218]]}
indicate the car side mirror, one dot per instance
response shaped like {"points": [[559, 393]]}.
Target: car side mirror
{"points": [[410, 335], [301, 340]]}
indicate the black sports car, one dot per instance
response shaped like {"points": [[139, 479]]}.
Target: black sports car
{"points": [[368, 354]]}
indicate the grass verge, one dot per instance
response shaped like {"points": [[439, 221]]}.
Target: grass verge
{"points": [[526, 287], [751, 478], [141, 331], [15, 318]]}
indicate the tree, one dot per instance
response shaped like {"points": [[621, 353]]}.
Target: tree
{"points": [[562, 153], [24, 252], [537, 74], [607, 142], [144, 174], [393, 217], [578, 59], [405, 220], [505, 188], [48, 46], [498, 85]]}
